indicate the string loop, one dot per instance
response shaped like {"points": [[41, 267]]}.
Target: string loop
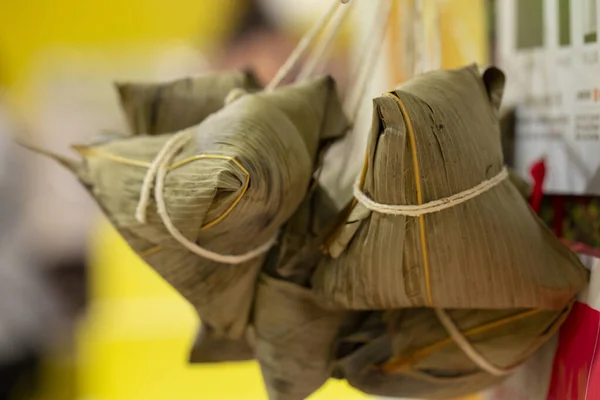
{"points": [[156, 175], [466, 346]]}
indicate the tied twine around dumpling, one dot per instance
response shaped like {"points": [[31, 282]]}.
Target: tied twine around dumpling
{"points": [[456, 181], [432, 207], [156, 176]]}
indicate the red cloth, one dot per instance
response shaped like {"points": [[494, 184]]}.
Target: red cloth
{"points": [[538, 173], [576, 370]]}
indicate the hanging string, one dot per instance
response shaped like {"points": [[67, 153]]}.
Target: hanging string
{"points": [[368, 60], [363, 70], [159, 167], [324, 47], [303, 45]]}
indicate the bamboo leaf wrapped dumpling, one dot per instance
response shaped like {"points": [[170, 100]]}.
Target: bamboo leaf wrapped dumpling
{"points": [[438, 224], [165, 107], [226, 187]]}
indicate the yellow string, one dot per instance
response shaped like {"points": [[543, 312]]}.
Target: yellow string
{"points": [[151, 251], [413, 145], [90, 151]]}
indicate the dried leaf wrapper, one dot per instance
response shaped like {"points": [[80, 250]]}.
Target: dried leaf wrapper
{"points": [[240, 177], [156, 108], [443, 128]]}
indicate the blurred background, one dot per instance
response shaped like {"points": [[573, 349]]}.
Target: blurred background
{"points": [[81, 317]]}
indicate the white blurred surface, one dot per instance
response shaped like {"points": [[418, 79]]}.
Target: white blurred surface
{"points": [[29, 315]]}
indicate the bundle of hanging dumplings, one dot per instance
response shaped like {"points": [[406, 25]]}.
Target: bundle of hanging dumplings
{"points": [[435, 281]]}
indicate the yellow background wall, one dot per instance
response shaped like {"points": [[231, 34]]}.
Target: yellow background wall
{"points": [[29, 27]]}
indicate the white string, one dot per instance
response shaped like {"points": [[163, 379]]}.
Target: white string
{"points": [[369, 60], [432, 206], [174, 142], [324, 47], [156, 174], [303, 45], [466, 346]]}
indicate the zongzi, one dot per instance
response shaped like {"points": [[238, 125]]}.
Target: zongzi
{"points": [[437, 223]]}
